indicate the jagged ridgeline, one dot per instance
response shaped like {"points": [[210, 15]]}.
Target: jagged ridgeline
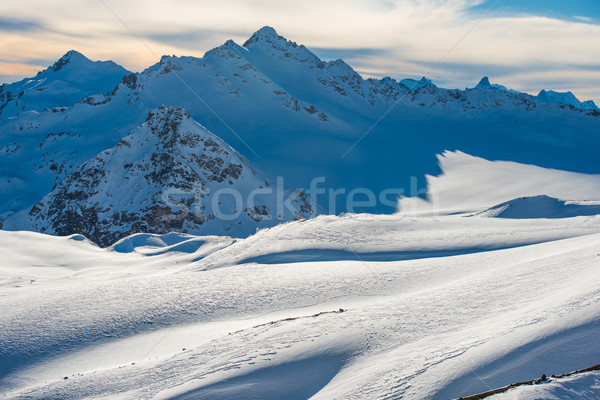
{"points": [[289, 113]]}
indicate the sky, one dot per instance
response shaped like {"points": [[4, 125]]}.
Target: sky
{"points": [[526, 45]]}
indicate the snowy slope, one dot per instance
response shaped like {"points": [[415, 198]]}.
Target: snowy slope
{"points": [[72, 78], [296, 116], [177, 176], [469, 183], [542, 206], [577, 387], [152, 318]]}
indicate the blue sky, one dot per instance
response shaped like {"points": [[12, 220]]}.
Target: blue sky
{"points": [[561, 9], [525, 45]]}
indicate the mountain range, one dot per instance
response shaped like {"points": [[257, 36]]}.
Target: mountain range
{"points": [[80, 142]]}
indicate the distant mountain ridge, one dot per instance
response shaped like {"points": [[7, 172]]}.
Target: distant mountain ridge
{"points": [[290, 114], [64, 83], [566, 98]]}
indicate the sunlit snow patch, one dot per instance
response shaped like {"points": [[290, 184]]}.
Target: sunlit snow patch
{"points": [[541, 207]]}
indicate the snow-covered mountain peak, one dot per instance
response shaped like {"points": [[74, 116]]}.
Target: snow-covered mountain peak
{"points": [[227, 50], [566, 99], [339, 68], [69, 57], [165, 114], [166, 59], [64, 83], [484, 84], [75, 63], [426, 82], [414, 85], [178, 177], [589, 105], [166, 120], [267, 41], [264, 34], [175, 130], [166, 65]]}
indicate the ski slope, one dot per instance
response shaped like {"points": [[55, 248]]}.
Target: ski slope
{"points": [[432, 308]]}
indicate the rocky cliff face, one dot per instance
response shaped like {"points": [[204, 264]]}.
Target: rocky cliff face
{"points": [[169, 174]]}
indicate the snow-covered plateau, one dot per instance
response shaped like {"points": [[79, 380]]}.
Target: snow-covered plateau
{"points": [[122, 275]]}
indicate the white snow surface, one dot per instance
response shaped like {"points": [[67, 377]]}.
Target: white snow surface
{"points": [[434, 308], [542, 207], [469, 184], [584, 386]]}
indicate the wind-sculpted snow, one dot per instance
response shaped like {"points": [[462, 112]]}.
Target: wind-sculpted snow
{"points": [[541, 207], [145, 320]]}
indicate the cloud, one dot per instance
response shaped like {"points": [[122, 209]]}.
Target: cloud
{"points": [[188, 39], [332, 53], [19, 25], [11, 72]]}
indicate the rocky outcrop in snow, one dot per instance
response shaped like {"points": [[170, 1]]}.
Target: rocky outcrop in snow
{"points": [[169, 174]]}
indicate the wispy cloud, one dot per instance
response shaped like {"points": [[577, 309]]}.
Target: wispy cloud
{"points": [[325, 53], [190, 38], [19, 25]]}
